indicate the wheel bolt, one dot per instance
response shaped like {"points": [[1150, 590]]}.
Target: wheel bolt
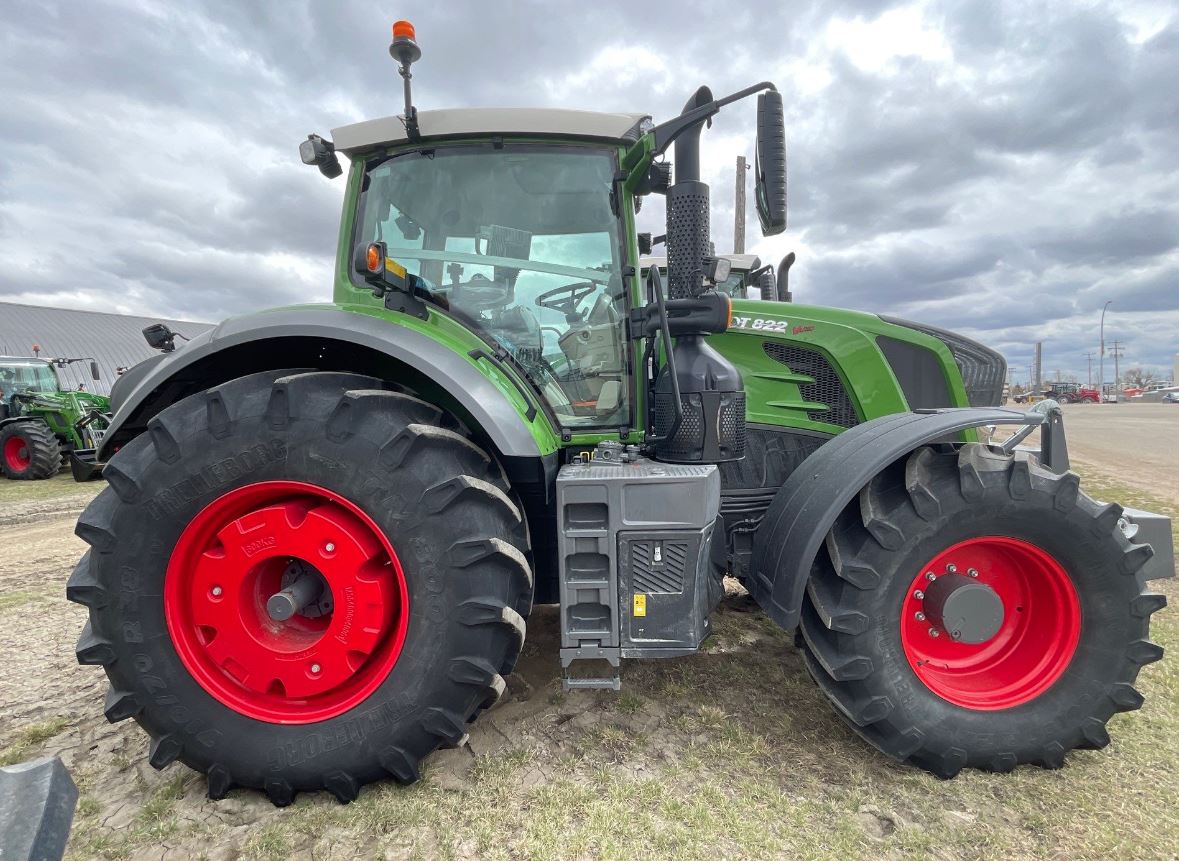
{"points": [[329, 548], [919, 616], [934, 632], [952, 568], [216, 590], [918, 594], [971, 572], [930, 576], [315, 669]]}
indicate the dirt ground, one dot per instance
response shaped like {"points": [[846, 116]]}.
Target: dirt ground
{"points": [[731, 753]]}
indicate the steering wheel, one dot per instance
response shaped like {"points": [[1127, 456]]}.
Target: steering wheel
{"points": [[577, 291]]}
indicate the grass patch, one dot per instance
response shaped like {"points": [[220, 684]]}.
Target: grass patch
{"points": [[269, 843], [61, 485], [30, 738], [12, 600]]}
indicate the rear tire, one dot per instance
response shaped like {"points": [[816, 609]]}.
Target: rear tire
{"points": [[29, 451], [1073, 571], [381, 466]]}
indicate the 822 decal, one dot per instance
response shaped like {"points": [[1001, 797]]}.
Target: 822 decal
{"points": [[758, 324]]}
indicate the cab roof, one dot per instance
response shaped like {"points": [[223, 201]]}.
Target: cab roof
{"points": [[469, 122], [740, 262]]}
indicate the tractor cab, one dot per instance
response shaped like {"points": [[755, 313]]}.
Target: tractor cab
{"points": [[519, 241], [26, 375]]}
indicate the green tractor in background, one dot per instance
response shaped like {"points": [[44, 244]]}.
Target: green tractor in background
{"points": [[326, 525], [40, 423]]}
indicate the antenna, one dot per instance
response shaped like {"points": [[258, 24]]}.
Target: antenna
{"points": [[406, 52]]}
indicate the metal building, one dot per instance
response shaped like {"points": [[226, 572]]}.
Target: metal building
{"points": [[113, 340]]}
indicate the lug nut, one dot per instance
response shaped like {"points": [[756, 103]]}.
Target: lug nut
{"points": [[919, 616], [216, 590], [934, 632], [930, 576], [971, 572], [918, 594], [329, 548], [952, 568], [315, 669]]}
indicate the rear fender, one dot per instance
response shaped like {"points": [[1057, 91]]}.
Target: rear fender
{"points": [[329, 337], [814, 494]]}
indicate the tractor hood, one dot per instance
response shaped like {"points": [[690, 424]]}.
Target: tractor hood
{"points": [[829, 369], [81, 402]]}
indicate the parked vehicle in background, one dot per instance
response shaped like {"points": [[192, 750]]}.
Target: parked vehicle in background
{"points": [[1171, 398], [1072, 393], [40, 422]]}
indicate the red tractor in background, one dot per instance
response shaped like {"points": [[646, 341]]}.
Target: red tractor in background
{"points": [[1072, 393]]}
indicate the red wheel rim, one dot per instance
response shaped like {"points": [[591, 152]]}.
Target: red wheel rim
{"points": [[16, 453], [1034, 643], [230, 560]]}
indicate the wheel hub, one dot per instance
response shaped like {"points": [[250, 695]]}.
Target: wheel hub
{"points": [[998, 635], [969, 611], [16, 454], [286, 602]]}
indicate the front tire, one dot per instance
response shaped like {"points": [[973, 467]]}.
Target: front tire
{"points": [[1048, 636], [423, 580], [29, 451]]}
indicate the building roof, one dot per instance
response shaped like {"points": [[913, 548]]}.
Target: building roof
{"points": [[465, 122], [113, 340]]}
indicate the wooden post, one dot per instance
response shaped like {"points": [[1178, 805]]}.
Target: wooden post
{"points": [[739, 208]]}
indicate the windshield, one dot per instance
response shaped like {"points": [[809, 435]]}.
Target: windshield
{"points": [[26, 377], [522, 244]]}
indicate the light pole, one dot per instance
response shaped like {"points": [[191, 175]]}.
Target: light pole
{"points": [[1101, 358]]}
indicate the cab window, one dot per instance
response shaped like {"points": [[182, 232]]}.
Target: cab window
{"points": [[521, 243]]}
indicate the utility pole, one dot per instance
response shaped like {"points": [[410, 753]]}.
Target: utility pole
{"points": [[739, 208], [1116, 352], [1037, 367], [1101, 358], [1089, 374]]}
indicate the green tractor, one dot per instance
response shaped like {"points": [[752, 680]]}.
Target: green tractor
{"points": [[40, 423], [326, 525]]}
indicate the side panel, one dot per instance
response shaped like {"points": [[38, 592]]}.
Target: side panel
{"points": [[437, 349]]}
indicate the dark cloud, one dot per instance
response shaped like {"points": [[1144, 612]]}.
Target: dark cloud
{"points": [[1003, 168]]}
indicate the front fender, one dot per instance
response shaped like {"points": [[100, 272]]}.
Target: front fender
{"points": [[805, 507], [512, 422]]}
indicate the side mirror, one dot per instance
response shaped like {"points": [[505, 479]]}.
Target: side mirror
{"points": [[769, 164], [94, 371]]}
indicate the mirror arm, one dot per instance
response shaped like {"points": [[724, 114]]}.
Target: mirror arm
{"points": [[665, 133]]}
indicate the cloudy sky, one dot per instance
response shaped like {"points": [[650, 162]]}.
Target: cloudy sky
{"points": [[1000, 169]]}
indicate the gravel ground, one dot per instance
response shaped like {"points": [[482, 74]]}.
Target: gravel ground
{"points": [[731, 753]]}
